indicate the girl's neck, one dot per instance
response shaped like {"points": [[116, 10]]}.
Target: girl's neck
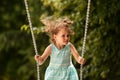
{"points": [[59, 46]]}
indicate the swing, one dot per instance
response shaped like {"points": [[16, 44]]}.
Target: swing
{"points": [[34, 42]]}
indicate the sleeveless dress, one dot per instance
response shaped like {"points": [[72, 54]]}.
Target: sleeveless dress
{"points": [[60, 66]]}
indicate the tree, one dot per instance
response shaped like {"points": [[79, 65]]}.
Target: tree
{"points": [[102, 46]]}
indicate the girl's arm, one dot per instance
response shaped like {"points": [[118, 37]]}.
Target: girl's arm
{"points": [[76, 55], [46, 53]]}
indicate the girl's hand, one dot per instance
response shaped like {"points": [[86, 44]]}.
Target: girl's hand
{"points": [[37, 57], [81, 60]]}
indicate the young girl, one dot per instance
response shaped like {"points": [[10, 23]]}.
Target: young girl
{"points": [[60, 67]]}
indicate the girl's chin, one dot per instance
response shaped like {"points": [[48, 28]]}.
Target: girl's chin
{"points": [[65, 43]]}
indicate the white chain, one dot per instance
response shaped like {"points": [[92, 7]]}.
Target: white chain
{"points": [[34, 42], [33, 38], [85, 35]]}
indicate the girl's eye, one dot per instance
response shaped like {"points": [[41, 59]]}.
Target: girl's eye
{"points": [[63, 35], [68, 35]]}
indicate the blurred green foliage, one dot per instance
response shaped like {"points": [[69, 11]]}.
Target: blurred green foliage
{"points": [[102, 46]]}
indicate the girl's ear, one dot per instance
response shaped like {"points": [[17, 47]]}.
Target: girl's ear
{"points": [[54, 36]]}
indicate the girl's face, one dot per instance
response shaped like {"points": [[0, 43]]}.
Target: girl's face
{"points": [[62, 37]]}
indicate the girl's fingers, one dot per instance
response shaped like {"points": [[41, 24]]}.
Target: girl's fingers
{"points": [[82, 60], [37, 57]]}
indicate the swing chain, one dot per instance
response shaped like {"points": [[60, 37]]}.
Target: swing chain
{"points": [[33, 37], [34, 42], [85, 36]]}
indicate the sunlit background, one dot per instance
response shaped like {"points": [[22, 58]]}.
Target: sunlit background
{"points": [[102, 45]]}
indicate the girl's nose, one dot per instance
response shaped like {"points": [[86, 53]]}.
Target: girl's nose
{"points": [[66, 38]]}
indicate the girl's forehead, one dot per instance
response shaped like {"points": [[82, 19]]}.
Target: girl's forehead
{"points": [[63, 31]]}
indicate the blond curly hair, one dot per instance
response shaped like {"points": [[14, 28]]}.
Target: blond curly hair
{"points": [[53, 26]]}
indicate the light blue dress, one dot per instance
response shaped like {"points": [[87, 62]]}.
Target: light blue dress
{"points": [[61, 67]]}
